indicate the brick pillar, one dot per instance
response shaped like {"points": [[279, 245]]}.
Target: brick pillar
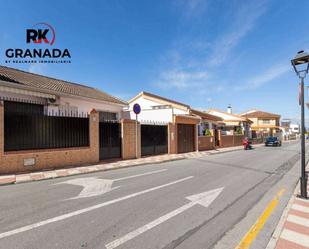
{"points": [[1, 133], [128, 134], [220, 138], [94, 136], [172, 138], [196, 137], [212, 133]]}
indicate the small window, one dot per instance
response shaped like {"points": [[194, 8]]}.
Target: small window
{"points": [[107, 116]]}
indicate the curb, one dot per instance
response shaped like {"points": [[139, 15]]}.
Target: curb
{"points": [[40, 176], [57, 173], [7, 179], [276, 234]]}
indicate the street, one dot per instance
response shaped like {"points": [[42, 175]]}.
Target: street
{"points": [[206, 202]]}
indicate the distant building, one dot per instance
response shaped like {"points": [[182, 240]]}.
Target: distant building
{"points": [[263, 123], [232, 122], [288, 128]]}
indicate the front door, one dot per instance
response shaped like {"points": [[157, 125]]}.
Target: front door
{"points": [[186, 135], [110, 140]]}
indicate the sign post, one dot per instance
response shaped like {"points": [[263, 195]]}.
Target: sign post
{"points": [[136, 110]]}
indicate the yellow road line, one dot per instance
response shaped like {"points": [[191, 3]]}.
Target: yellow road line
{"points": [[258, 225]]}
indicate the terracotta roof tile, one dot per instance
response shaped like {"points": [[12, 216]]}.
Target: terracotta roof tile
{"points": [[206, 115], [52, 84], [159, 97], [260, 114]]}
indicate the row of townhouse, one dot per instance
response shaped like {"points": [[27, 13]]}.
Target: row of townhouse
{"points": [[49, 123]]}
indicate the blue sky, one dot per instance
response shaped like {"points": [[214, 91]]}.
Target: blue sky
{"points": [[207, 54]]}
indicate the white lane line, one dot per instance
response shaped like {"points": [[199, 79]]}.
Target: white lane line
{"points": [[85, 210], [300, 208], [298, 220], [297, 238], [148, 226], [143, 174], [204, 199]]}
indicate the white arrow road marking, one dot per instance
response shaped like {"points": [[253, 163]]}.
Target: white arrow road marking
{"points": [[204, 199], [93, 186], [88, 209]]}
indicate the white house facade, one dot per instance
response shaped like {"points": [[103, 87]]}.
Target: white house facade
{"points": [[57, 96], [156, 110]]}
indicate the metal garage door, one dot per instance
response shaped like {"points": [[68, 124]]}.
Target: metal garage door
{"points": [[110, 140], [185, 138], [153, 139]]}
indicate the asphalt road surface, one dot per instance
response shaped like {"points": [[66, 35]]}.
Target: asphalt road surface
{"points": [[207, 202]]}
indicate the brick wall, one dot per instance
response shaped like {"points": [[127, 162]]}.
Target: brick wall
{"points": [[128, 134], [172, 138], [238, 140], [231, 140], [206, 143], [13, 162]]}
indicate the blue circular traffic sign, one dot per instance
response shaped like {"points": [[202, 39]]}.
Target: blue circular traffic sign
{"points": [[136, 108]]}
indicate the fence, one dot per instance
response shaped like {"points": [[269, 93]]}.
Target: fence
{"points": [[206, 143], [231, 140], [27, 128]]}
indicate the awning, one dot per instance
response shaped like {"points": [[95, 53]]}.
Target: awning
{"points": [[22, 90], [186, 119]]}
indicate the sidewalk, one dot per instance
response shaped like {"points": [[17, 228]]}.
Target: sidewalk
{"points": [[36, 176], [293, 229]]}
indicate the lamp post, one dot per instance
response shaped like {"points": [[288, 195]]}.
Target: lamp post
{"points": [[300, 64]]}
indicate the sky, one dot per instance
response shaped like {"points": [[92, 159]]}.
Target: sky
{"points": [[204, 53]]}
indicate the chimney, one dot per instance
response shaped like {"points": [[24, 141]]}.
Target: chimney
{"points": [[229, 109]]}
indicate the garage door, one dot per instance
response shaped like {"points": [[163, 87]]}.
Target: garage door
{"points": [[186, 134], [110, 140], [153, 139]]}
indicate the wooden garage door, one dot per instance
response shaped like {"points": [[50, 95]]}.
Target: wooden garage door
{"points": [[185, 138]]}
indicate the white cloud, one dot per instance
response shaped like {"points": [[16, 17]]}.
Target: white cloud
{"points": [[37, 68], [264, 77], [243, 22], [191, 63], [191, 8], [181, 79]]}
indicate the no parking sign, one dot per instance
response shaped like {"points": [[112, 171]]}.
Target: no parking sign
{"points": [[136, 108]]}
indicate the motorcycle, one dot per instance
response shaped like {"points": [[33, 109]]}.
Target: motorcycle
{"points": [[247, 144]]}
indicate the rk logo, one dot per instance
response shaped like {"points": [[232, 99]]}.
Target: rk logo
{"points": [[39, 36]]}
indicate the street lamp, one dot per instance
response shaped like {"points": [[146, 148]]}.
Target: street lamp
{"points": [[301, 66]]}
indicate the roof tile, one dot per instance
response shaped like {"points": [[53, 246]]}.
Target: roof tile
{"points": [[63, 87]]}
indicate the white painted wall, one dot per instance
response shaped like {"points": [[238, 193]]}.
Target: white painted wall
{"points": [[88, 105], [150, 114], [81, 105], [162, 115], [224, 116], [295, 128], [22, 96]]}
